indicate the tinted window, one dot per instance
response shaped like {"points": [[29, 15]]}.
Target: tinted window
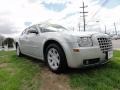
{"points": [[46, 30], [32, 28]]}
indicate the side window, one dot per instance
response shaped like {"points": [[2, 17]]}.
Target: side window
{"points": [[32, 29], [23, 32], [43, 30]]}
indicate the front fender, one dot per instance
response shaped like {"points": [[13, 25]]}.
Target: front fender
{"points": [[66, 48]]}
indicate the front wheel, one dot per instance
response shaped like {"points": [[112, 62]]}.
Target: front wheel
{"points": [[55, 58]]}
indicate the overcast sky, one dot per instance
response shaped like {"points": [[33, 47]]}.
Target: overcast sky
{"points": [[16, 15]]}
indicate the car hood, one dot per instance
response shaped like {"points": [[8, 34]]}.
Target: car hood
{"points": [[79, 34]]}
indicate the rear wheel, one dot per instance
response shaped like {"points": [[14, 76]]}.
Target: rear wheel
{"points": [[55, 58], [18, 52]]}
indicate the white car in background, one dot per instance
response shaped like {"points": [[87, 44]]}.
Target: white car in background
{"points": [[116, 37], [60, 47]]}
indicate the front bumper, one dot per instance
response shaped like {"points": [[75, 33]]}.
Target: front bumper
{"points": [[88, 56]]}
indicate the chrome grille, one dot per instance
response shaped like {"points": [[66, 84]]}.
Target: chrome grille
{"points": [[105, 44]]}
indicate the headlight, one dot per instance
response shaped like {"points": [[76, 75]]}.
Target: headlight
{"points": [[85, 41]]}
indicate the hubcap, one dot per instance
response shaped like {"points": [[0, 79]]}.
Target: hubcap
{"points": [[53, 58]]}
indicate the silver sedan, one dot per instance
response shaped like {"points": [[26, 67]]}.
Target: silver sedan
{"points": [[61, 48]]}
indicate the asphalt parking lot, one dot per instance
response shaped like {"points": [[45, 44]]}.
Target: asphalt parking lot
{"points": [[116, 44]]}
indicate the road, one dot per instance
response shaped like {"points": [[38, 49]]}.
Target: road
{"points": [[116, 44]]}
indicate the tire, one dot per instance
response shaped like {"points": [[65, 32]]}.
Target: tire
{"points": [[18, 52], [55, 58]]}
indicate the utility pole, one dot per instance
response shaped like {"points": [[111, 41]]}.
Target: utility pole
{"points": [[105, 30], [83, 12], [79, 26], [115, 28], [98, 25], [73, 28]]}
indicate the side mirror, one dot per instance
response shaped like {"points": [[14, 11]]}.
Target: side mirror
{"points": [[33, 31]]}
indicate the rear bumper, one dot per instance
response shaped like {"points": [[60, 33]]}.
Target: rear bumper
{"points": [[88, 56]]}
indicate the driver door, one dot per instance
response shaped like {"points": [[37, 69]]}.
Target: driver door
{"points": [[33, 37]]}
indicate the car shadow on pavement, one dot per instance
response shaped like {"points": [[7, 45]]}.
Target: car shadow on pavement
{"points": [[69, 70], [42, 64], [84, 69], [39, 62]]}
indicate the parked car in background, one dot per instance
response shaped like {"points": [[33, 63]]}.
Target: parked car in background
{"points": [[61, 48], [115, 37]]}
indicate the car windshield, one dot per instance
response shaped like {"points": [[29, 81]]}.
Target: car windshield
{"points": [[51, 28]]}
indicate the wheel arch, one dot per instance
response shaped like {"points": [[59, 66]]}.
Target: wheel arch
{"points": [[16, 43], [48, 42]]}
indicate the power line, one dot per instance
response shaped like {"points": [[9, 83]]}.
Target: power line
{"points": [[103, 4], [83, 14], [105, 30], [79, 26], [115, 28], [99, 9]]}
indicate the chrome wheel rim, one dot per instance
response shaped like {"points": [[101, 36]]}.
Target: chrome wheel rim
{"points": [[18, 51], [53, 58]]}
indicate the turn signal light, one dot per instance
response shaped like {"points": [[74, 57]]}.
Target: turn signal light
{"points": [[76, 50]]}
